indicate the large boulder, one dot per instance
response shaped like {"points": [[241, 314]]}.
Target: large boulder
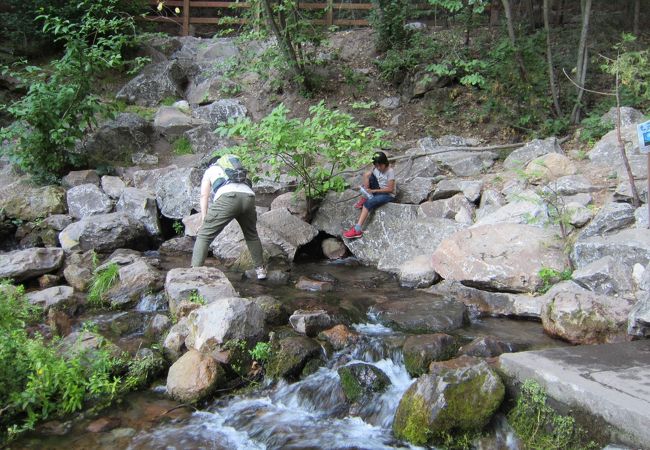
{"points": [[219, 112], [173, 122], [519, 158], [290, 355], [78, 177], [58, 298], [422, 314], [415, 190], [23, 201], [87, 200], [422, 349], [104, 233], [360, 381], [606, 276], [209, 283], [639, 319], [178, 192], [155, 83], [461, 163], [174, 342], [606, 152], [134, 280], [470, 189], [226, 319], [310, 322], [584, 317], [630, 246], [611, 217], [460, 395], [194, 376], [141, 207], [504, 257], [550, 167], [456, 208], [117, 140], [628, 115], [78, 269], [526, 208], [417, 272], [22, 265]]}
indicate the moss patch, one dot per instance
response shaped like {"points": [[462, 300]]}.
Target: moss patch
{"points": [[412, 420]]}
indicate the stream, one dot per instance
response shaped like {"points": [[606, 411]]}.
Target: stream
{"points": [[309, 414]]}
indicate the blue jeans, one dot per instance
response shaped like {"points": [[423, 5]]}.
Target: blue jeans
{"points": [[377, 199]]}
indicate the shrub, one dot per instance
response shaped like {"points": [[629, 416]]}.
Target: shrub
{"points": [[101, 282], [388, 19]]}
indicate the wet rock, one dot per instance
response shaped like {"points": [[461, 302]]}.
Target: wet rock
{"points": [[487, 347], [639, 319], [55, 428], [308, 284], [339, 336], [333, 248], [140, 206], [178, 192], [310, 322], [549, 167], [584, 317], [174, 343], [59, 298], [87, 200], [208, 283], [487, 303], [194, 376], [103, 233], [290, 355], [471, 190], [296, 203], [505, 257], [456, 208], [421, 350], [414, 190], [422, 314], [48, 280], [520, 157], [158, 325], [280, 229], [21, 265], [417, 272], [103, 424], [79, 177], [112, 186], [612, 217], [26, 202], [79, 268], [134, 280], [155, 83], [361, 380], [117, 140], [606, 276], [460, 395], [225, 319], [630, 246], [275, 312]]}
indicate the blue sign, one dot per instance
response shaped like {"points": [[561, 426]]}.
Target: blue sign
{"points": [[643, 131]]}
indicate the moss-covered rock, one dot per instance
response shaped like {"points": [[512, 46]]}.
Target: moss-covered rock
{"points": [[290, 355], [460, 395], [359, 380], [421, 350]]}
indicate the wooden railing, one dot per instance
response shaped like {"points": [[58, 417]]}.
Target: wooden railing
{"points": [[188, 7]]}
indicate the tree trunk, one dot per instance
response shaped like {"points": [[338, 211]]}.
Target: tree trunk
{"points": [[511, 34], [636, 200], [494, 13], [635, 20], [549, 59], [581, 65]]}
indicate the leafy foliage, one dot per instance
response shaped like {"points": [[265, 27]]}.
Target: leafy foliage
{"points": [[261, 352], [539, 426], [316, 151], [59, 106], [388, 19], [551, 276], [103, 279]]}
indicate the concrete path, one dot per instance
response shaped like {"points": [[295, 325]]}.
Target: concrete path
{"points": [[610, 381]]}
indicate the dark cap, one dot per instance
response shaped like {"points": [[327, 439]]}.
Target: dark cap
{"points": [[379, 158]]}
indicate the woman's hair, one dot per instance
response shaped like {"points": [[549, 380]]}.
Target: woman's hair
{"points": [[380, 158]]}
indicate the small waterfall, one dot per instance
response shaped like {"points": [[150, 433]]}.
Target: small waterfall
{"points": [[312, 413], [152, 303]]}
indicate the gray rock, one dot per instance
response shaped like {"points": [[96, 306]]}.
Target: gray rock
{"points": [[623, 192], [414, 190], [275, 311], [570, 185], [418, 83], [629, 116], [194, 376], [117, 140], [155, 83], [631, 246], [26, 202], [86, 344], [422, 314], [57, 221], [174, 343], [78, 177], [456, 208], [641, 217], [204, 140], [21, 265], [360, 381], [208, 282], [58, 298], [78, 270], [487, 347], [421, 350], [423, 166], [103, 233], [310, 323], [504, 257], [178, 192], [584, 317], [295, 202], [577, 215], [88, 200], [606, 151], [449, 188], [520, 157], [225, 319], [148, 179], [134, 280], [112, 186], [173, 122], [141, 207], [158, 325], [491, 201], [333, 248], [639, 319], [605, 276], [549, 167], [417, 272], [527, 209], [220, 112], [282, 233], [612, 217], [390, 103], [290, 355]]}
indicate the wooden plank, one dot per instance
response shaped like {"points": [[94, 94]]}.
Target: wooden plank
{"points": [[186, 17], [211, 4], [177, 20], [208, 20], [337, 6], [352, 22]]}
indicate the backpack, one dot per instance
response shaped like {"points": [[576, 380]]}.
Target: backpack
{"points": [[235, 172]]}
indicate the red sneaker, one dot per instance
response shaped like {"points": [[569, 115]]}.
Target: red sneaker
{"points": [[359, 204], [352, 234]]}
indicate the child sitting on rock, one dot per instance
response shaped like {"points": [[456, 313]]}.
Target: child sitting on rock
{"points": [[378, 188]]}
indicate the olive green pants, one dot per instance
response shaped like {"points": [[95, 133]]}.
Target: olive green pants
{"points": [[229, 206]]}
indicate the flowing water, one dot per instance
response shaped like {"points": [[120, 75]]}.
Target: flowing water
{"points": [[309, 414]]}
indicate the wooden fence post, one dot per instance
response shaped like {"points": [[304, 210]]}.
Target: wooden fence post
{"points": [[186, 17], [330, 12]]}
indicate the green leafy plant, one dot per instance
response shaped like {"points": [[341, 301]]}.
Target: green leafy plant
{"points": [[261, 352], [101, 282], [593, 128], [182, 146], [388, 18], [59, 106], [540, 427], [178, 227], [550, 276], [197, 298], [316, 151]]}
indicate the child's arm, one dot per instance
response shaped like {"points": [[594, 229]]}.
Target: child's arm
{"points": [[366, 179], [390, 187]]}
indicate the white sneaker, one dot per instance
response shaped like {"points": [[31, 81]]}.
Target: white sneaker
{"points": [[261, 273]]}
